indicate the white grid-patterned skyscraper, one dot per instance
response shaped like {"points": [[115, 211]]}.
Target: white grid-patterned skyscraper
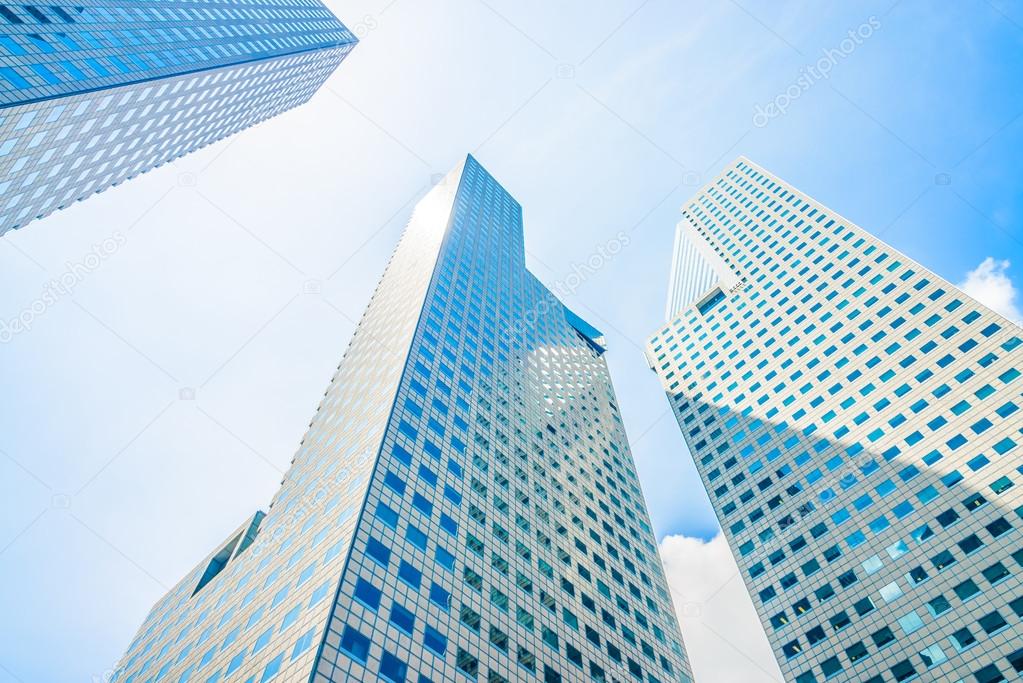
{"points": [[93, 92], [464, 505], [855, 420]]}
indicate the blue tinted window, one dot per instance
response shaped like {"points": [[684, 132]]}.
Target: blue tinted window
{"points": [[440, 597], [435, 641], [378, 551], [392, 669], [367, 594], [402, 618], [386, 515], [354, 644], [410, 575]]}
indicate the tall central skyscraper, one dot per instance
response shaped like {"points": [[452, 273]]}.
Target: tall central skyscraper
{"points": [[855, 420], [93, 92], [463, 507]]}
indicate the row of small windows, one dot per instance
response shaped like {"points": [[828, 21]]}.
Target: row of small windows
{"points": [[706, 452], [177, 11]]}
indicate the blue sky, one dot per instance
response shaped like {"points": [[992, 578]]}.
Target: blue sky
{"points": [[153, 409]]}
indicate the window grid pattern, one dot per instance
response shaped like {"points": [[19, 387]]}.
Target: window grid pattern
{"points": [[463, 507], [66, 47], [504, 536], [855, 421], [288, 577], [94, 92], [57, 152]]}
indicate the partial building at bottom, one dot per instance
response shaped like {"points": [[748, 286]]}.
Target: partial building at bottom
{"points": [[464, 506], [855, 420]]}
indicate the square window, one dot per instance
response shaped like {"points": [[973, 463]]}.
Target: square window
{"points": [[856, 652], [440, 597], [992, 622], [434, 641], [367, 594], [933, 656], [402, 618], [962, 639], [354, 644], [410, 575], [831, 667], [378, 552], [995, 573], [392, 669], [911, 623], [903, 670], [882, 637], [466, 663], [966, 590], [989, 674], [938, 605]]}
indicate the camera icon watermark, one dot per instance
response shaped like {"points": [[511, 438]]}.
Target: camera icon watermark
{"points": [[565, 71], [312, 287], [60, 501], [186, 394], [691, 610], [188, 179], [943, 179]]}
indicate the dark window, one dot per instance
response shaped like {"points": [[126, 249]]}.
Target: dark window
{"points": [[830, 667], [410, 575], [856, 652], [882, 637], [435, 641], [903, 670], [402, 618], [992, 622], [367, 594], [392, 669], [989, 674], [354, 644], [467, 663], [378, 551]]}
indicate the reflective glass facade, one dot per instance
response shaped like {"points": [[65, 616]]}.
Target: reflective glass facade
{"points": [[464, 505], [855, 419], [96, 91]]}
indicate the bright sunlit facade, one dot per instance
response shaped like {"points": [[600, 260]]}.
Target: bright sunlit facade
{"points": [[855, 420]]}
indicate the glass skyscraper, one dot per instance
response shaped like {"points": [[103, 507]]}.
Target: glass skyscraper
{"points": [[463, 507], [855, 420], [93, 92]]}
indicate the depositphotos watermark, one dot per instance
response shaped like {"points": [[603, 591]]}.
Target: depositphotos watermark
{"points": [[812, 74], [602, 255], [75, 272]]}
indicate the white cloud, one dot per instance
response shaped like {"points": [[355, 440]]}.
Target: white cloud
{"points": [[723, 636], [989, 284]]}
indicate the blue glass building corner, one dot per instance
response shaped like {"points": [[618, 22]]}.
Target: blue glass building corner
{"points": [[93, 92]]}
